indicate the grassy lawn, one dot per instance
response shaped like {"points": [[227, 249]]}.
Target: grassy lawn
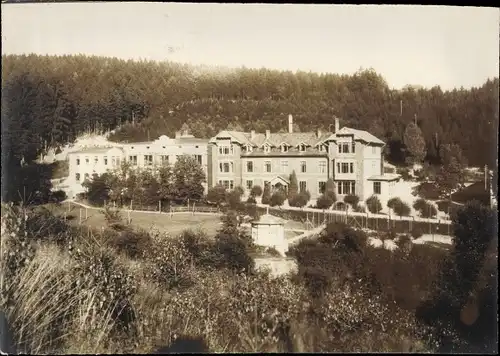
{"points": [[162, 222]]}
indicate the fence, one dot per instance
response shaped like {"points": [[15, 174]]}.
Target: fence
{"points": [[313, 218]]}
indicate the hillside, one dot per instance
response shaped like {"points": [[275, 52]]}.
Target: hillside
{"points": [[47, 101]]}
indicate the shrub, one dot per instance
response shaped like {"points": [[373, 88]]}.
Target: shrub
{"points": [[217, 195], [340, 206], [239, 190], [58, 196], [266, 195], [425, 208], [300, 200], [277, 199], [324, 202], [360, 209], [373, 204], [132, 243], [256, 191], [417, 232], [330, 190], [113, 218], [351, 199], [399, 207], [251, 200]]}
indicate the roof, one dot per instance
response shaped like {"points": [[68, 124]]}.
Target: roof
{"points": [[268, 219], [295, 138], [359, 135], [94, 150], [388, 177]]}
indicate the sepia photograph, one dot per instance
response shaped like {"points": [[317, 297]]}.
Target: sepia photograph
{"points": [[248, 178]]}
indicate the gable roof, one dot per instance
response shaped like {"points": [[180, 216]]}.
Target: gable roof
{"points": [[295, 138]]}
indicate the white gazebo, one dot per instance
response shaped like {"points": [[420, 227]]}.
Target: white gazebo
{"points": [[269, 231]]}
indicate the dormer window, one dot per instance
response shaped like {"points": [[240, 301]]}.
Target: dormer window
{"points": [[247, 148], [302, 147], [284, 148], [322, 148], [267, 148]]}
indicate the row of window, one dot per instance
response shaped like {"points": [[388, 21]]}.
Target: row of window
{"points": [[78, 176], [228, 167], [115, 160], [345, 167]]}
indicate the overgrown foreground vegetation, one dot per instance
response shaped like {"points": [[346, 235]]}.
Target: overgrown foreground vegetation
{"points": [[120, 290]]}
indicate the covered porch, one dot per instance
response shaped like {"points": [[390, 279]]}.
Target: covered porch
{"points": [[279, 183]]}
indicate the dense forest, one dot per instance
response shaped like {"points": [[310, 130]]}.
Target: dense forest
{"points": [[49, 100]]}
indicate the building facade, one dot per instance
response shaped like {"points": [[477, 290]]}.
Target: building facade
{"points": [[352, 158], [84, 164]]}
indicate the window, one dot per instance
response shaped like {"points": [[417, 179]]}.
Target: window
{"points": [[351, 167], [226, 167], [322, 167], [377, 188], [133, 160], [86, 176], [353, 147], [148, 160], [198, 159], [346, 187], [250, 166], [87, 160], [247, 148], [249, 184], [303, 167], [340, 148], [344, 147], [267, 166], [227, 184], [338, 167], [321, 187], [77, 177], [78, 161], [302, 147], [374, 150], [345, 168], [267, 148], [105, 160], [118, 160], [147, 147], [284, 166], [225, 150], [164, 159], [96, 159], [113, 161], [302, 186], [284, 148], [322, 148]]}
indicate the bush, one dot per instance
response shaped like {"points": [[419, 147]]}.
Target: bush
{"points": [[277, 199], [300, 200], [266, 195], [417, 232], [251, 200], [425, 208], [58, 196], [256, 191], [373, 204], [132, 243], [340, 206], [359, 209], [351, 199], [324, 202], [399, 207]]}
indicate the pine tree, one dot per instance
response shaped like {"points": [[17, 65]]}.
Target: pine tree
{"points": [[266, 195], [293, 188], [415, 144]]}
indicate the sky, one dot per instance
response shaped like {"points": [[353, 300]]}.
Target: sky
{"points": [[416, 45]]}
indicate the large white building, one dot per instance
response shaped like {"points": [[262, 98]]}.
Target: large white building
{"points": [[85, 163]]}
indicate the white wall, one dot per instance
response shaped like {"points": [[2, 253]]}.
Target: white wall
{"points": [[270, 236]]}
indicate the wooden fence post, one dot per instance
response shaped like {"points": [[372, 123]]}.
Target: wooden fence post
{"points": [[86, 213], [159, 206]]}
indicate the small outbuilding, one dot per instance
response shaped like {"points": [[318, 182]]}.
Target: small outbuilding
{"points": [[269, 231]]}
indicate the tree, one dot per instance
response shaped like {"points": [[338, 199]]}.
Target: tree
{"points": [[415, 144], [352, 199], [373, 204], [166, 190], [293, 188], [217, 195], [277, 199], [324, 202], [330, 190], [149, 187], [97, 190], [425, 208], [256, 191], [399, 207], [266, 195], [301, 199], [188, 178], [450, 175]]}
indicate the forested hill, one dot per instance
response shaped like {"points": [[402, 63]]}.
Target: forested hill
{"points": [[48, 100]]}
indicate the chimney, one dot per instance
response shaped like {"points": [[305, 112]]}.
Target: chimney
{"points": [[252, 134], [337, 125], [290, 123], [268, 134], [319, 133]]}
